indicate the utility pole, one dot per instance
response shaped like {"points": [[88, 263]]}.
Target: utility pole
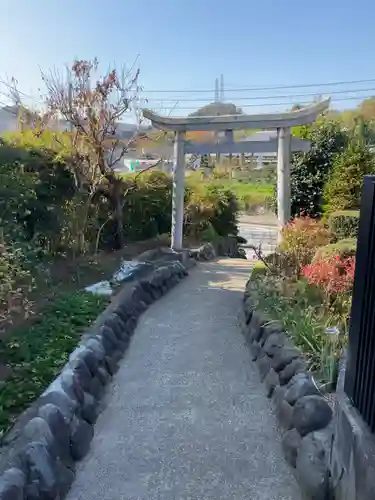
{"points": [[217, 95], [221, 87]]}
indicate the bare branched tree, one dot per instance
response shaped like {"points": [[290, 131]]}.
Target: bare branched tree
{"points": [[93, 107]]}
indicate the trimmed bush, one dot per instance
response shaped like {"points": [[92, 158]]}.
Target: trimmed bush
{"points": [[344, 186], [310, 170], [343, 224], [344, 249], [210, 204]]}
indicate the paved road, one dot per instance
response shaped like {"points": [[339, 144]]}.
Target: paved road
{"points": [[186, 416], [260, 236]]}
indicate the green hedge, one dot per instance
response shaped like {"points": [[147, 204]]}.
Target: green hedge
{"points": [[343, 188], [40, 205], [343, 248], [344, 224]]}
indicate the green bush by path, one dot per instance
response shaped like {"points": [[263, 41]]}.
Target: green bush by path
{"points": [[298, 307], [343, 248], [37, 353], [343, 224], [251, 196], [259, 269], [310, 170], [344, 186], [210, 204]]}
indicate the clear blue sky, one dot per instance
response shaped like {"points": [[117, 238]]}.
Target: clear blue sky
{"points": [[186, 44]]}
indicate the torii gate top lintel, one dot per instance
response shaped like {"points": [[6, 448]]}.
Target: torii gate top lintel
{"points": [[236, 122]]}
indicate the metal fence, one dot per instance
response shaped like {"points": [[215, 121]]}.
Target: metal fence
{"points": [[360, 370]]}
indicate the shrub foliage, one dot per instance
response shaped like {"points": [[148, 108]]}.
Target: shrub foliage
{"points": [[344, 186], [301, 238], [344, 224], [310, 170]]}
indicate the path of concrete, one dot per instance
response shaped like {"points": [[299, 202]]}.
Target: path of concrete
{"points": [[186, 416], [258, 232]]}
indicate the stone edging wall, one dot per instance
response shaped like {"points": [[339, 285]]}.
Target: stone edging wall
{"points": [[303, 414], [224, 247], [60, 426]]}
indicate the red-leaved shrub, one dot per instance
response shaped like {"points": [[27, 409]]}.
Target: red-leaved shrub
{"points": [[334, 275]]}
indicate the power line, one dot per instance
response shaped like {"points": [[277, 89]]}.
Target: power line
{"points": [[251, 89], [276, 103], [289, 96]]}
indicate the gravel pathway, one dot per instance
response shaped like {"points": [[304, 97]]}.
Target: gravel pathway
{"points": [[186, 416]]}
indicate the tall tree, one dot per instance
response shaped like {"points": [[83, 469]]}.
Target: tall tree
{"points": [[93, 106]]}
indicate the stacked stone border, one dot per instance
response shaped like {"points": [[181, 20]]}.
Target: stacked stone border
{"points": [[303, 414], [224, 247], [57, 430]]}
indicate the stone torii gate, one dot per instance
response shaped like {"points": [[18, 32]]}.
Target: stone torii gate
{"points": [[284, 144]]}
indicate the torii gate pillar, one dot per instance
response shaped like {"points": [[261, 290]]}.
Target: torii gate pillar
{"points": [[283, 177], [178, 191]]}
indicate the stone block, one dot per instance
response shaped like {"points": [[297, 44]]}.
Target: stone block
{"points": [[96, 387], [131, 324], [81, 434], [89, 410], [255, 350], [284, 414], [301, 387], [273, 343], [70, 384], [94, 344], [103, 375], [56, 396], [12, 484], [111, 365], [269, 329], [312, 470], [278, 396], [311, 413], [271, 382], [283, 357], [60, 430], [255, 327], [47, 477], [109, 340], [90, 357], [290, 443], [294, 367], [37, 429], [296, 377], [117, 325], [264, 366], [82, 373]]}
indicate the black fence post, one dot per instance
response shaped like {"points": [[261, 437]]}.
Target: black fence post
{"points": [[360, 369]]}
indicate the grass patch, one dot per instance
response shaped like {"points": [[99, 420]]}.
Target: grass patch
{"points": [[249, 194], [298, 307], [38, 352]]}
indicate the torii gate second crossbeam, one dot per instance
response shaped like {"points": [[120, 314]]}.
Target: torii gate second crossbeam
{"points": [[284, 145]]}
